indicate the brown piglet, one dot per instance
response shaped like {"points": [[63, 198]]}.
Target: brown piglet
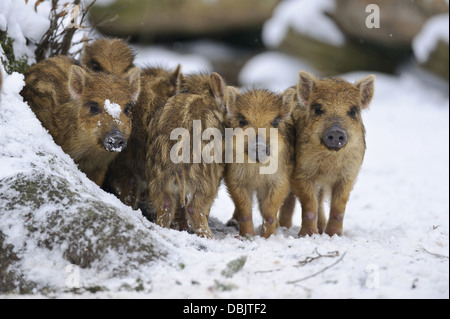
{"points": [[263, 127], [110, 56], [126, 175], [87, 113], [182, 180], [330, 148]]}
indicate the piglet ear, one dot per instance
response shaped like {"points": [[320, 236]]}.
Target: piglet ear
{"points": [[232, 95], [218, 88], [289, 102], [366, 88], [180, 82], [77, 81], [175, 74], [306, 83], [134, 79]]}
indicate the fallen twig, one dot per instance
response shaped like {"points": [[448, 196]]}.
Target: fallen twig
{"points": [[433, 254], [319, 272], [309, 259], [267, 271]]}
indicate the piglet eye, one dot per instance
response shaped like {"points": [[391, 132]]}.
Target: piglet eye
{"points": [[317, 109], [242, 121], [128, 109], [95, 66], [276, 122], [94, 108], [353, 112]]}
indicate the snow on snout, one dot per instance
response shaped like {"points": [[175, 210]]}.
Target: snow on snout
{"points": [[113, 109]]}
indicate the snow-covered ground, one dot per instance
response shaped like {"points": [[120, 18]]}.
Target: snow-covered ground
{"points": [[396, 231]]}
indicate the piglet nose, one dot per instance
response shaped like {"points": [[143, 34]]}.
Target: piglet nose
{"points": [[115, 141], [335, 138]]}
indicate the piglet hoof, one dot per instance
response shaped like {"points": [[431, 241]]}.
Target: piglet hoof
{"points": [[266, 233], [321, 229], [286, 224], [204, 233], [308, 231], [247, 234], [269, 227], [332, 230]]}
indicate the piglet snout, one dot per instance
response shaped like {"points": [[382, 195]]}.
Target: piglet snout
{"points": [[335, 138], [115, 141]]}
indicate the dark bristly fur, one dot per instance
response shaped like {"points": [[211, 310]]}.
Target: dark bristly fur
{"points": [[184, 192], [110, 56]]}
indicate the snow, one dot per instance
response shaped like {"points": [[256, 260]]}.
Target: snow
{"points": [[159, 55], [306, 17], [434, 30], [396, 231], [113, 109], [22, 22], [272, 70]]}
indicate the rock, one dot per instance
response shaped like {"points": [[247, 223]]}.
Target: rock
{"points": [[400, 21], [146, 20], [59, 230], [438, 61], [332, 35], [431, 46], [47, 225], [332, 60]]}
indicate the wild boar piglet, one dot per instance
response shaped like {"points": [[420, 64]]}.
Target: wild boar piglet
{"points": [[88, 114], [263, 156], [126, 175], [330, 148], [182, 185], [109, 56]]}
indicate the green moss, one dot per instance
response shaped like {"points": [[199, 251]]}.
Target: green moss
{"points": [[220, 286], [234, 266], [438, 61], [10, 280], [11, 63], [332, 60]]}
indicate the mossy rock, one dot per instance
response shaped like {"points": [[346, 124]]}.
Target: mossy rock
{"points": [[438, 61], [400, 21], [11, 62], [181, 18], [333, 60], [44, 215]]}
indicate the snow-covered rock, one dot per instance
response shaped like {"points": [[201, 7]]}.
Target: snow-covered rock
{"points": [[22, 22], [431, 45], [305, 17], [339, 36], [52, 217], [193, 18]]}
